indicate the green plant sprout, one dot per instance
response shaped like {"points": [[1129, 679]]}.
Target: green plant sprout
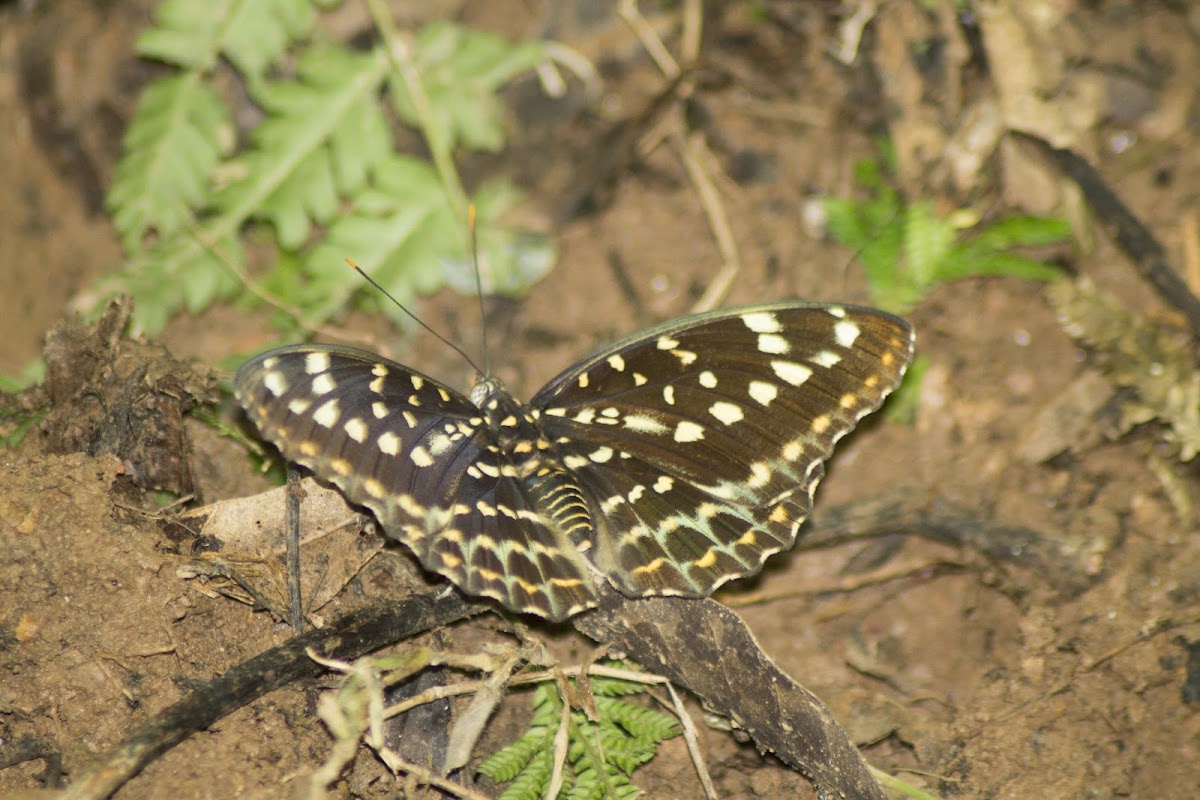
{"points": [[906, 248], [320, 177], [601, 753]]}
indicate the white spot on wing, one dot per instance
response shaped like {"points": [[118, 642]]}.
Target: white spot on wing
{"points": [[328, 414], [356, 429], [686, 357], [275, 382], [315, 362], [708, 380], [773, 344], [825, 358], [728, 413], [845, 332], [323, 384], [616, 362], [420, 456], [763, 392], [669, 395], [389, 443], [760, 474], [643, 423], [688, 431], [601, 455], [762, 322], [667, 343], [791, 372]]}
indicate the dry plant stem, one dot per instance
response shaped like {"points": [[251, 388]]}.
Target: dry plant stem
{"points": [[691, 149], [469, 725], [692, 739], [400, 53], [694, 153], [628, 9], [1134, 238], [897, 512], [907, 789], [693, 28], [1189, 238], [423, 776], [922, 573], [573, 60], [292, 554], [562, 739]]}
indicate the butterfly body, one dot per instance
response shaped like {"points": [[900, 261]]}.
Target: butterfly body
{"points": [[668, 463]]}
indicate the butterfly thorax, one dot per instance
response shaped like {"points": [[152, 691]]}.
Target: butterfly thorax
{"points": [[534, 459]]}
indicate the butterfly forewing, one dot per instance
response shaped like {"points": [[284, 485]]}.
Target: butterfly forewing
{"points": [[419, 456], [673, 461]]}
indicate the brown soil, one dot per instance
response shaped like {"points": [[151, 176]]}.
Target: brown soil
{"points": [[967, 675]]}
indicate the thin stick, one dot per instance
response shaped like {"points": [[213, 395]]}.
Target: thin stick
{"points": [[692, 738], [694, 153], [399, 50], [292, 548], [692, 150]]}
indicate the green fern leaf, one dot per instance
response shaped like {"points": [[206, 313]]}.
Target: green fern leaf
{"points": [[174, 143], [258, 33], [928, 240], [638, 721], [533, 780], [252, 34], [506, 764], [288, 177], [460, 72]]}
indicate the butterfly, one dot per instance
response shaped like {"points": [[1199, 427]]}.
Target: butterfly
{"points": [[667, 464]]}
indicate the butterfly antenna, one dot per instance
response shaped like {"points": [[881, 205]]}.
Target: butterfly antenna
{"points": [[487, 355], [415, 318]]}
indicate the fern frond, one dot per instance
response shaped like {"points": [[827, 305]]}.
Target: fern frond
{"points": [[176, 138]]}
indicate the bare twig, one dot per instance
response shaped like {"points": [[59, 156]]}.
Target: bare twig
{"points": [[692, 739]]}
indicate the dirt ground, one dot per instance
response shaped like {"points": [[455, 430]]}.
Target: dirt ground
{"points": [[966, 675]]}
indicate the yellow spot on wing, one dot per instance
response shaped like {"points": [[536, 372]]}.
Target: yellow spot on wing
{"points": [[653, 566]]}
